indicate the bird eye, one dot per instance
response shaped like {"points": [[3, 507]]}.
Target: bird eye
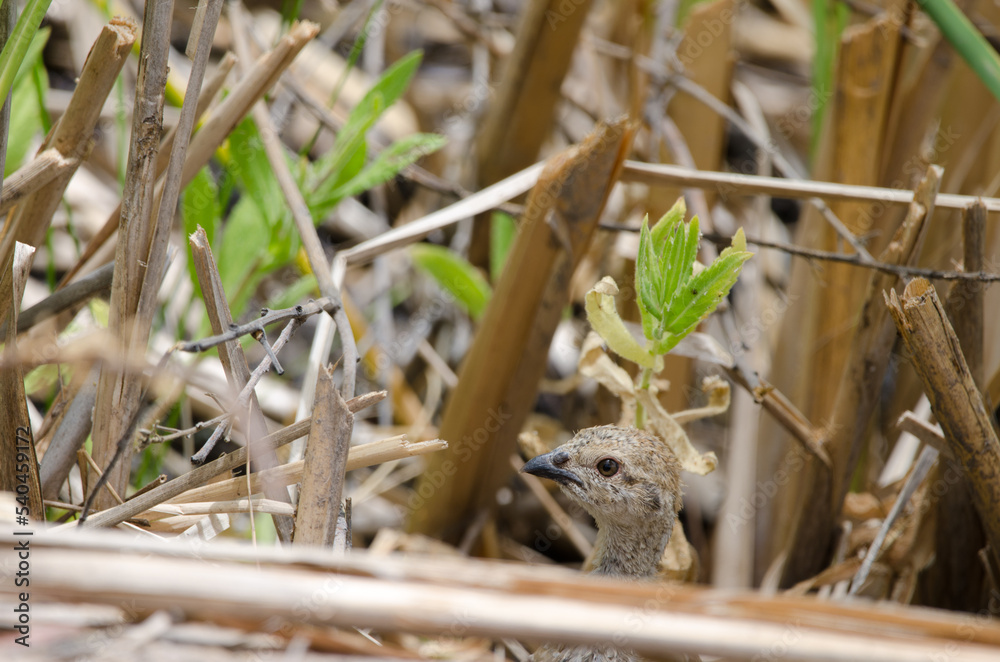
{"points": [[607, 467]]}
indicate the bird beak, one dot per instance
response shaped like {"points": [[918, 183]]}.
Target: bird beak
{"points": [[544, 467]]}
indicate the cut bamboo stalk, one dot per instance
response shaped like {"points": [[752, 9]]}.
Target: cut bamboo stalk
{"points": [[73, 133], [118, 393], [206, 472], [234, 363], [248, 585], [18, 461], [325, 462], [955, 399], [500, 375], [857, 396]]}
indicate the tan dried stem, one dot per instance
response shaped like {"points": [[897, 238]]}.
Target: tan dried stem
{"points": [[955, 400]]}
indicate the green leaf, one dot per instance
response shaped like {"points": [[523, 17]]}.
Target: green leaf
{"points": [[26, 111], [302, 288], [648, 272], [242, 252], [16, 47], [683, 255], [387, 165], [702, 294], [249, 165], [456, 275], [200, 207], [669, 221], [380, 97], [503, 230], [603, 317]]}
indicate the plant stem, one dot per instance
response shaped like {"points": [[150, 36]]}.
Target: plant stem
{"points": [[645, 377]]}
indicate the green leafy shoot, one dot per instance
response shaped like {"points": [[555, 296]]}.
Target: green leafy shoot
{"points": [[673, 295], [672, 298], [456, 275]]}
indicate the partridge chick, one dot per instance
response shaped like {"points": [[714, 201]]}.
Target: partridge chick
{"points": [[629, 481]]}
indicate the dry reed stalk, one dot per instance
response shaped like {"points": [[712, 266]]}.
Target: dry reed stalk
{"points": [[955, 400], [69, 436], [32, 176], [521, 116], [957, 579], [200, 475], [816, 335], [324, 465], [72, 136], [710, 66], [209, 91], [499, 376], [118, 394], [247, 585], [735, 184], [224, 118], [856, 398], [234, 363], [18, 459], [365, 455]]}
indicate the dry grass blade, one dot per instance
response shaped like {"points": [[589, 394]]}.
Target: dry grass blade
{"points": [[206, 472], [365, 455]]}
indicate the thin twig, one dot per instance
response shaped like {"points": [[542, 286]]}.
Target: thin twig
{"points": [[267, 318], [900, 270]]}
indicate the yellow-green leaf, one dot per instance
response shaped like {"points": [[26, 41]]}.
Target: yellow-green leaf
{"points": [[603, 317]]}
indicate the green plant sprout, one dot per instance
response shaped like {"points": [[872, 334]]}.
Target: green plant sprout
{"points": [[675, 292]]}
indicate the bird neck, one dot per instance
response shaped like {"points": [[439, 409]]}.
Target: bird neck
{"points": [[632, 550]]}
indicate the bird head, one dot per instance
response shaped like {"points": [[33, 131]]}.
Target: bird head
{"points": [[621, 476]]}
